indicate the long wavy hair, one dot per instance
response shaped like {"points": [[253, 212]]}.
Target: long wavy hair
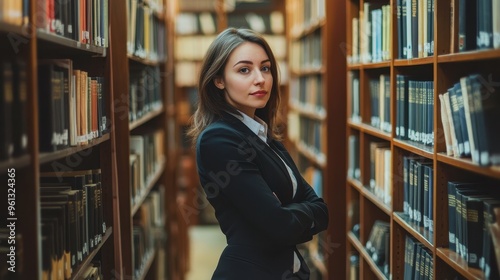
{"points": [[211, 102]]}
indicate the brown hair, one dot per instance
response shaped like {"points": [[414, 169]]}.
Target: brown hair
{"points": [[211, 103]]}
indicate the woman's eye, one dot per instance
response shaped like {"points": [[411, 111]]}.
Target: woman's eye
{"points": [[244, 70], [266, 68]]}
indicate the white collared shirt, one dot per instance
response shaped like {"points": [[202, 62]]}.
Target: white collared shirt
{"points": [[259, 127]]}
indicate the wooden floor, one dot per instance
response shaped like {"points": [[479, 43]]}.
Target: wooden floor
{"points": [[206, 245]]}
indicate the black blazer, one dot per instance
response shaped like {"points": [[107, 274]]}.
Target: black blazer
{"points": [[240, 173]]}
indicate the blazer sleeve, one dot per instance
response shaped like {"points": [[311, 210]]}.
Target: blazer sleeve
{"points": [[307, 195], [228, 168]]}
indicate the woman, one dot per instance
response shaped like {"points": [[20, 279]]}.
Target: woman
{"points": [[263, 205]]}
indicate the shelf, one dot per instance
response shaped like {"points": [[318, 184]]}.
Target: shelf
{"points": [[361, 249], [376, 65], [149, 186], [354, 66], [318, 160], [376, 200], [414, 61], [52, 43], [16, 163], [46, 157], [356, 184], [308, 71], [459, 264], [366, 128], [476, 55], [146, 118], [144, 61], [150, 256], [78, 271], [467, 164], [11, 28], [309, 112], [422, 235], [416, 148], [299, 32]]}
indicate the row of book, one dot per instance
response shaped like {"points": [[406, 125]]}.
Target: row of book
{"points": [[415, 26], [414, 110], [478, 25], [71, 105], [14, 12], [13, 109], [308, 133], [72, 219], [145, 91], [264, 23], [380, 171], [354, 90], [304, 53], [418, 192], [371, 35], [145, 158], [378, 245], [195, 23], [469, 111], [354, 260], [145, 31], [380, 98], [418, 261], [353, 169], [148, 229], [473, 209], [312, 12], [306, 93], [84, 21]]}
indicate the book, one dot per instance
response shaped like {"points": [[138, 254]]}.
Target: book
{"points": [[6, 110]]}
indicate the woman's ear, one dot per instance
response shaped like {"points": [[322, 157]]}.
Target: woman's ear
{"points": [[219, 82]]}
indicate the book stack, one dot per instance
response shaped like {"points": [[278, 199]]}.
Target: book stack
{"points": [[418, 192], [71, 105], [470, 110], [377, 245], [418, 262], [72, 219], [84, 21], [473, 224], [13, 112], [415, 110]]}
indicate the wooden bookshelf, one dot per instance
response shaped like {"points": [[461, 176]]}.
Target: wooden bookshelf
{"points": [[444, 66], [108, 148], [316, 112]]}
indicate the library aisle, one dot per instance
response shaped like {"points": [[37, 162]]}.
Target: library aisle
{"points": [[206, 245]]}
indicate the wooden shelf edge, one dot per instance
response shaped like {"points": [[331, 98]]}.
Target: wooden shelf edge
{"points": [[309, 155], [46, 157], [149, 187], [362, 251], [376, 65], [399, 218], [298, 32], [414, 148], [145, 61], [415, 61], [147, 265], [368, 129], [67, 42], [459, 264], [147, 117], [473, 55], [6, 27], [80, 269], [308, 112], [376, 200], [466, 163], [16, 162]]}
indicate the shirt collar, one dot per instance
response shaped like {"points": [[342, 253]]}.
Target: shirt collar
{"points": [[256, 125]]}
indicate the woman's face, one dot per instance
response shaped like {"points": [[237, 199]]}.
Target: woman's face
{"points": [[247, 78]]}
